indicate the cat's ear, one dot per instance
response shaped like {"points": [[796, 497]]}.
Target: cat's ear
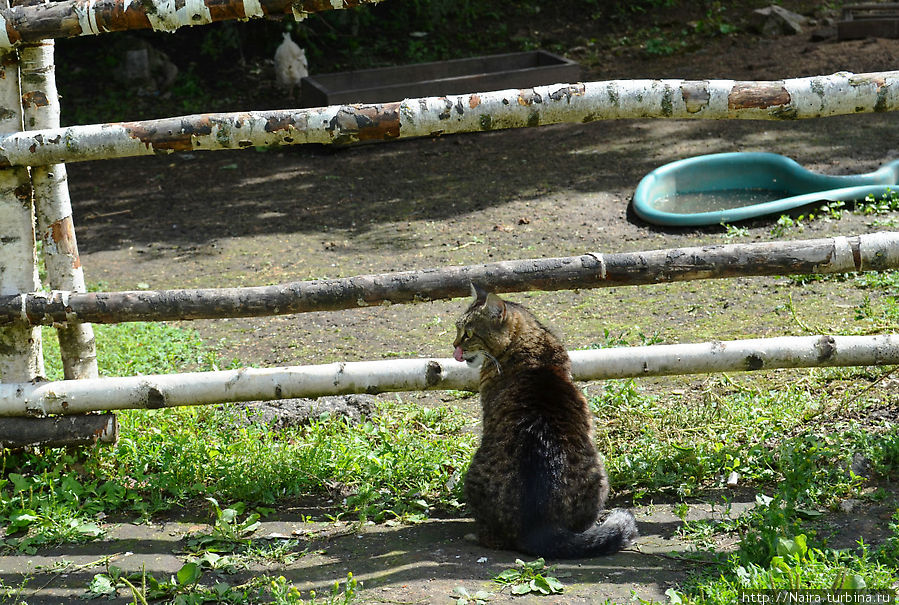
{"points": [[478, 294], [495, 307]]}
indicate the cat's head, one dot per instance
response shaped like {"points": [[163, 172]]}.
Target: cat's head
{"points": [[482, 330]]}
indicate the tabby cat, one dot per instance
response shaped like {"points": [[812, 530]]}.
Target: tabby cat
{"points": [[536, 483]]}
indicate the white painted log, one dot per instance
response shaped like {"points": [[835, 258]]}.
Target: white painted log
{"points": [[40, 102], [20, 344], [797, 98], [249, 384]]}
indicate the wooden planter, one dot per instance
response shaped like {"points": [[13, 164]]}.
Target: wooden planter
{"points": [[475, 74], [870, 20]]}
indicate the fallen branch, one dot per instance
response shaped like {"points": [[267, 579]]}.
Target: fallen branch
{"points": [[842, 93], [868, 252], [251, 384]]}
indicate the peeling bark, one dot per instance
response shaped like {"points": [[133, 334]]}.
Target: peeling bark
{"points": [[71, 18], [251, 384], [750, 95], [820, 96], [695, 95], [54, 209], [867, 252]]}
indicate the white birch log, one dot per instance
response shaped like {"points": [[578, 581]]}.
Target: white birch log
{"points": [[250, 384], [20, 344], [40, 108], [798, 98], [867, 252], [40, 102], [90, 17]]}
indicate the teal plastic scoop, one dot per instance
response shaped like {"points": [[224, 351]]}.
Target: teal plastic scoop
{"points": [[731, 187]]}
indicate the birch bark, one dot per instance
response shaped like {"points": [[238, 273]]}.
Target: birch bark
{"points": [[867, 252], [91, 17], [20, 344], [841, 93], [40, 103], [251, 384]]}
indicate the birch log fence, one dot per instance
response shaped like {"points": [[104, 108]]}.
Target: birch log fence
{"points": [[868, 252], [34, 205], [20, 343], [841, 93], [70, 18], [250, 384]]}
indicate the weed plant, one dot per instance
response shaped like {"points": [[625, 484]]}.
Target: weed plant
{"points": [[795, 566], [395, 463], [760, 433], [881, 206], [530, 577], [185, 588]]}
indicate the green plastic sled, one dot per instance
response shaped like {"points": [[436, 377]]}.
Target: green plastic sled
{"points": [[731, 187]]}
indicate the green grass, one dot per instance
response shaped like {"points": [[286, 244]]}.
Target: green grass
{"points": [[187, 587], [796, 566], [670, 443], [881, 206], [394, 465], [397, 461], [138, 348]]}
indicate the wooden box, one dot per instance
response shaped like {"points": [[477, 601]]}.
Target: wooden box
{"points": [[869, 21], [459, 76]]}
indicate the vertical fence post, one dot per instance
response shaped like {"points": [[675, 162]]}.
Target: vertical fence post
{"points": [[20, 345], [28, 97], [55, 229]]}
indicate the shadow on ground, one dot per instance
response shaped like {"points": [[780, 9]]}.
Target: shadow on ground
{"points": [[421, 563], [195, 198]]}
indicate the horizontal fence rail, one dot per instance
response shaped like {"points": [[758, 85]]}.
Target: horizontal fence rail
{"points": [[250, 384], [798, 98], [89, 17], [57, 431], [866, 252]]}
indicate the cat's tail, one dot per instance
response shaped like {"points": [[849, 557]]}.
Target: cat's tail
{"points": [[617, 531]]}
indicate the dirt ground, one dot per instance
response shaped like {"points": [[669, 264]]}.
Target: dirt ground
{"points": [[422, 563], [252, 218]]}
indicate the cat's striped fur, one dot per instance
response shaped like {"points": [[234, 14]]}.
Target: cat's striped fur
{"points": [[536, 483]]}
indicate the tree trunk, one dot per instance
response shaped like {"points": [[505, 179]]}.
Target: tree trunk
{"points": [[842, 93], [868, 252], [250, 384], [38, 106]]}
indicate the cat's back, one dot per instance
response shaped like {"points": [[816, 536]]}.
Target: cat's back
{"points": [[535, 391]]}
